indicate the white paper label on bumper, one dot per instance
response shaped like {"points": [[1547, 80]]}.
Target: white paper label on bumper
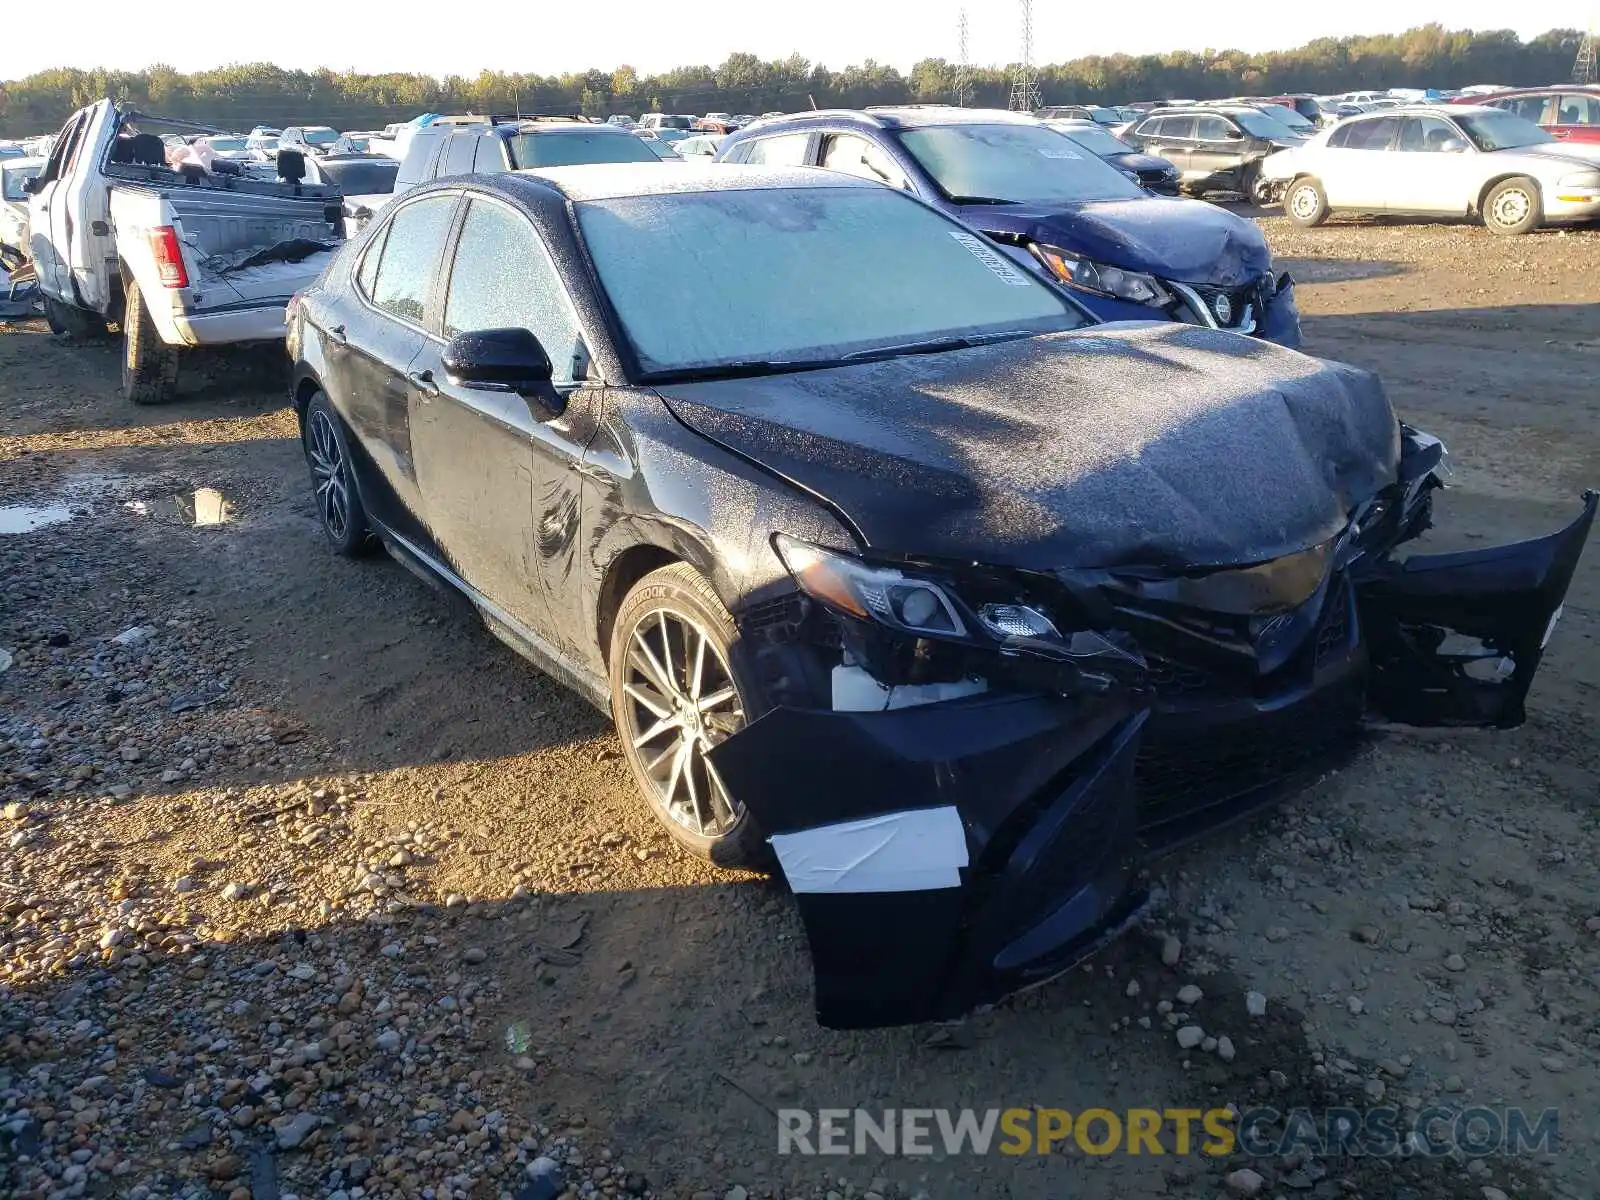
{"points": [[915, 851]]}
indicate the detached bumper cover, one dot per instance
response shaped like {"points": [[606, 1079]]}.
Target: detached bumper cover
{"points": [[946, 855]]}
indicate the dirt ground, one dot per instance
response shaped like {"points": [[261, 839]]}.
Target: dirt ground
{"points": [[311, 888]]}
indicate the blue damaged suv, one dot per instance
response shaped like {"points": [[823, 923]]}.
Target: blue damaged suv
{"points": [[1127, 254]]}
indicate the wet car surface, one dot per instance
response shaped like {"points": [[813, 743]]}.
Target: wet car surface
{"points": [[942, 614]]}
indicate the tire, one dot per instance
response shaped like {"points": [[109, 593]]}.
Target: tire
{"points": [[1513, 206], [149, 365], [661, 618], [340, 511], [73, 321], [1306, 203]]}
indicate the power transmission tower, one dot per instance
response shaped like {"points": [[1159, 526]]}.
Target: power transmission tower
{"points": [[963, 65], [1587, 69], [1024, 87]]}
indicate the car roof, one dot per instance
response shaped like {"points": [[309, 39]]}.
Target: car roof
{"points": [[612, 181], [905, 116], [1542, 90]]}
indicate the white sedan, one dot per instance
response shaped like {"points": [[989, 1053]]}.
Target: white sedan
{"points": [[1444, 160]]}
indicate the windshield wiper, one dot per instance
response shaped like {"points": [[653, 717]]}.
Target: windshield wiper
{"points": [[979, 200], [936, 345], [743, 369]]}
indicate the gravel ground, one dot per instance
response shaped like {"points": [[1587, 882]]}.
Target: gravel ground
{"points": [[311, 889]]}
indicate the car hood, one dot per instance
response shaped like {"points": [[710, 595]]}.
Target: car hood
{"points": [[1133, 160], [1580, 154], [1184, 240], [1147, 444]]}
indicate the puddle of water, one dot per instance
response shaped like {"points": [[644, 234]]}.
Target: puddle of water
{"points": [[24, 518]]}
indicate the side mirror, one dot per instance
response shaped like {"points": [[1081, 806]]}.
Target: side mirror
{"points": [[1233, 135], [510, 360]]}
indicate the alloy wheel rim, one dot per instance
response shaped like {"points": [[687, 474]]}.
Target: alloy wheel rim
{"points": [[329, 477], [1511, 208], [1305, 202], [681, 702]]}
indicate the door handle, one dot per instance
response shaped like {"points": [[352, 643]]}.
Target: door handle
{"points": [[423, 382], [336, 335]]}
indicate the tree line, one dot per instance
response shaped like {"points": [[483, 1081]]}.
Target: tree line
{"points": [[236, 97]]}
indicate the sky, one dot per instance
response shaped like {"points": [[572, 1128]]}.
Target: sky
{"points": [[549, 38]]}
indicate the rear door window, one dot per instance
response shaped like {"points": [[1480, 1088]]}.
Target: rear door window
{"points": [[1175, 128], [786, 150], [1578, 108], [412, 248], [1366, 135], [1210, 129]]}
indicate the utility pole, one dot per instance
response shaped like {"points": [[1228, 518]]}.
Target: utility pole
{"points": [[964, 63], [1025, 87], [1587, 69]]}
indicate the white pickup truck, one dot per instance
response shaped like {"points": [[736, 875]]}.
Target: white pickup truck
{"points": [[177, 258]]}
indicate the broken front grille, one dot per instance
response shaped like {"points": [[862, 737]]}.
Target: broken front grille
{"points": [[1180, 775]]}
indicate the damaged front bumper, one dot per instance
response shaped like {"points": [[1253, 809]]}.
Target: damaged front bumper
{"points": [[945, 852], [944, 856]]}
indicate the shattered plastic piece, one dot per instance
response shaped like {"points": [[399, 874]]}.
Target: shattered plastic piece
{"points": [[199, 698], [855, 690], [136, 636], [519, 1037]]}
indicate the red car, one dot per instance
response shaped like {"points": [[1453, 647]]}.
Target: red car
{"points": [[1570, 113]]}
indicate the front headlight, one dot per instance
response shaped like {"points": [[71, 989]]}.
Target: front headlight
{"points": [[1580, 179], [859, 589], [1101, 278]]}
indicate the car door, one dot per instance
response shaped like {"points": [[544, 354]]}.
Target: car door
{"points": [[1216, 153], [50, 221], [1575, 117], [1430, 169], [1169, 138], [1354, 165], [372, 352], [500, 485]]}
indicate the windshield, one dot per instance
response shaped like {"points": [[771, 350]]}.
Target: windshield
{"points": [[1284, 115], [749, 267], [661, 149], [1258, 124], [266, 143], [1502, 131], [1014, 163], [1095, 140], [571, 149], [226, 143], [362, 178], [321, 137], [14, 178], [674, 122]]}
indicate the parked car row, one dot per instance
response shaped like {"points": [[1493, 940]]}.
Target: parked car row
{"points": [[890, 562]]}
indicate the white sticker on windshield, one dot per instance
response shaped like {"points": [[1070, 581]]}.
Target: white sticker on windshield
{"points": [[991, 258], [1059, 154]]}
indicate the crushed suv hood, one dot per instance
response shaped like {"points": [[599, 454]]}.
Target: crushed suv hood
{"points": [[1186, 240], [1152, 445]]}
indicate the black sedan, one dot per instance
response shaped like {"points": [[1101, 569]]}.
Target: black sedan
{"points": [[1153, 174], [885, 559]]}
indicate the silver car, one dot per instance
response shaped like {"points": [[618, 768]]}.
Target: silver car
{"points": [[1444, 160]]}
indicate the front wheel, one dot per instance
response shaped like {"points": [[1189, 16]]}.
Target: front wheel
{"points": [[1513, 206], [674, 696], [1306, 203]]}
